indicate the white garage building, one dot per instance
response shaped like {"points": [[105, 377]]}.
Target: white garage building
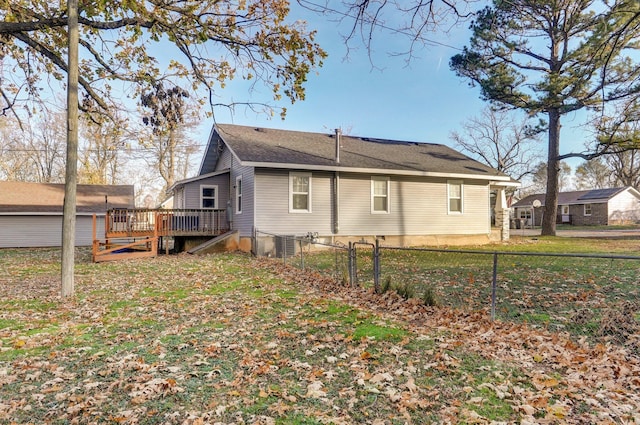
{"points": [[31, 213]]}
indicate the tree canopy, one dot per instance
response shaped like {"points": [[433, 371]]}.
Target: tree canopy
{"points": [[414, 19], [137, 44], [500, 140], [554, 57], [205, 42]]}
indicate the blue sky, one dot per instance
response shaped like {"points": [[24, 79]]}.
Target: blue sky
{"points": [[420, 101]]}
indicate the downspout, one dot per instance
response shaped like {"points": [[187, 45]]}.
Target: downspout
{"points": [[338, 134], [336, 187], [336, 202], [231, 196]]}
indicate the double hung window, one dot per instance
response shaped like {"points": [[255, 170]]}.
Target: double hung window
{"points": [[455, 192], [379, 195], [300, 192]]}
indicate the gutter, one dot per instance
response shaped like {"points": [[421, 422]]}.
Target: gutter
{"points": [[336, 202], [280, 166]]}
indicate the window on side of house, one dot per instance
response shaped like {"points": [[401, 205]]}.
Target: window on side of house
{"points": [[239, 194], [525, 213], [587, 209], [299, 192], [208, 196], [455, 193], [379, 195]]}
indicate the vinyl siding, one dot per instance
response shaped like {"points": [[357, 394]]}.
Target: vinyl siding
{"points": [[27, 231], [417, 206], [272, 204], [191, 192], [178, 198], [225, 161], [243, 222], [624, 207]]}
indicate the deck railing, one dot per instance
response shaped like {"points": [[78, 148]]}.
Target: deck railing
{"points": [[134, 222]]}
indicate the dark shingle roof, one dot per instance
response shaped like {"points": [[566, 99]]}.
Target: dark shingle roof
{"points": [[276, 148], [574, 197], [16, 197], [601, 193]]}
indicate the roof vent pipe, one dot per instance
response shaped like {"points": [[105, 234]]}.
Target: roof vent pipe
{"points": [[338, 134]]}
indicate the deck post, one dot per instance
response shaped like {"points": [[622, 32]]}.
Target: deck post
{"points": [[107, 217], [94, 245]]}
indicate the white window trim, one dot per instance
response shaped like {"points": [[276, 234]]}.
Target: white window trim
{"points": [[373, 180], [239, 194], [215, 198], [309, 209], [455, 182], [564, 208], [590, 208]]}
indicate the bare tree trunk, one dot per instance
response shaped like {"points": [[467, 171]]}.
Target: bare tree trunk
{"points": [[553, 169], [71, 174]]}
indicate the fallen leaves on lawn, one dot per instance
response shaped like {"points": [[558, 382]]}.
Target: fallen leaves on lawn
{"points": [[228, 339]]}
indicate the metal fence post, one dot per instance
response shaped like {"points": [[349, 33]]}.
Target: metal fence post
{"points": [[494, 283], [301, 256], [352, 265]]}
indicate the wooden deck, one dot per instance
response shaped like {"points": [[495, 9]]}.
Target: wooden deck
{"points": [[134, 233], [128, 223]]}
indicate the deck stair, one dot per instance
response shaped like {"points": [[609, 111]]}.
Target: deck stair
{"points": [[213, 243], [142, 248]]}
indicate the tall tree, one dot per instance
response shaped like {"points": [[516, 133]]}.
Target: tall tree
{"points": [[102, 151], [499, 140], [13, 161], [416, 20], [624, 167], [35, 154], [539, 179], [553, 57], [593, 174], [209, 42], [166, 112], [71, 169], [213, 41], [45, 147]]}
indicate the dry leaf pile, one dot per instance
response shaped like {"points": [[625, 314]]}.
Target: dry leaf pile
{"points": [[228, 339]]}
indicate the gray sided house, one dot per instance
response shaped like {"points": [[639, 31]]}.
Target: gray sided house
{"points": [[617, 205], [342, 188], [31, 213]]}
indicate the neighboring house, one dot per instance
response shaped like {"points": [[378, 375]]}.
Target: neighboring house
{"points": [[344, 188], [167, 203], [31, 213], [617, 205]]}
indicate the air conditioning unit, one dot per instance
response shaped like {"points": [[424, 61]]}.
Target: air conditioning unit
{"points": [[285, 246]]}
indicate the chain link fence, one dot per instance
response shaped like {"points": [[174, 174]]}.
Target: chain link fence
{"points": [[306, 253], [597, 296], [587, 295]]}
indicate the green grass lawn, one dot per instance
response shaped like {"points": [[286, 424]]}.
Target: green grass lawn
{"points": [[585, 296], [231, 339]]}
